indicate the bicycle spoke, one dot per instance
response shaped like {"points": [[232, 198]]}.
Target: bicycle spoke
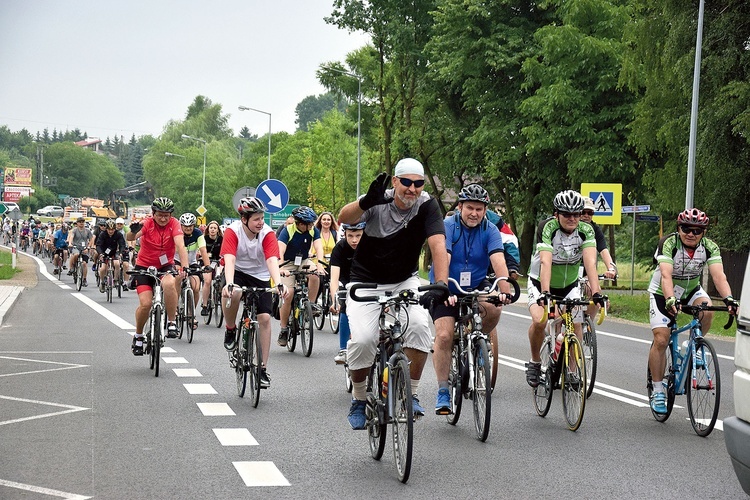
{"points": [[703, 388]]}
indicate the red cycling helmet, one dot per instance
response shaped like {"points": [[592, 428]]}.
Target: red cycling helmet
{"points": [[693, 217]]}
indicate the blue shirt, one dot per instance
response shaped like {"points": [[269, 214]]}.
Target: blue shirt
{"points": [[470, 249], [61, 239], [299, 244]]}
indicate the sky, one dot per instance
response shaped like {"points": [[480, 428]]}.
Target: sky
{"points": [[113, 68]]}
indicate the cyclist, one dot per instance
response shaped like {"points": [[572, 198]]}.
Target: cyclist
{"points": [[399, 220], [196, 247], [563, 241], [123, 229], [214, 239], [680, 258], [160, 238], [295, 242], [510, 244], [251, 258], [80, 239], [60, 241], [109, 243], [341, 264], [473, 244]]}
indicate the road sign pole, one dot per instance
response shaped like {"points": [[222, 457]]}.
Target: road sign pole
{"points": [[632, 252]]}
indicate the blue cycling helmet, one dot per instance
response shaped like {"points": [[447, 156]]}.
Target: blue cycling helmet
{"points": [[353, 227], [304, 214]]}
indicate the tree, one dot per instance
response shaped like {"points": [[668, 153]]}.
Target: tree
{"points": [[312, 108], [81, 172]]}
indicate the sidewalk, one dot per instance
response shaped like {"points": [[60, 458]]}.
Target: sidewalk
{"points": [[11, 289]]}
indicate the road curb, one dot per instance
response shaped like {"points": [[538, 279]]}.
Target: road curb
{"points": [[8, 296]]}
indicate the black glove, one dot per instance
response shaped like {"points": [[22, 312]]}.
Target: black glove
{"points": [[135, 227], [543, 300], [376, 192], [599, 299], [435, 296], [732, 305]]}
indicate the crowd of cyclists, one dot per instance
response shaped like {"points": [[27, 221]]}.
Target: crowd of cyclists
{"points": [[380, 238]]}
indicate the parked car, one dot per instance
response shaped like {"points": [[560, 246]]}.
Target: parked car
{"points": [[737, 429], [51, 211]]}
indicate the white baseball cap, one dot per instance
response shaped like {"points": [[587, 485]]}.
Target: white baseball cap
{"points": [[119, 220]]}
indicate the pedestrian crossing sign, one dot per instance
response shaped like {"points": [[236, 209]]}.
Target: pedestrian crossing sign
{"points": [[607, 201]]}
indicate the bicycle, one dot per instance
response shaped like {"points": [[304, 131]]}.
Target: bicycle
{"points": [[78, 268], [109, 280], [589, 333], [186, 304], [692, 369], [301, 315], [155, 334], [389, 397], [212, 297], [324, 301], [470, 375], [215, 299], [247, 355], [563, 367]]}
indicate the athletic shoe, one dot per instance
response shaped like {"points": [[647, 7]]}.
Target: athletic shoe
{"points": [[137, 349], [230, 337], [283, 336], [171, 330], [265, 379], [443, 405], [357, 418], [533, 373], [340, 358], [659, 403], [204, 310], [85, 283], [417, 409], [101, 287]]}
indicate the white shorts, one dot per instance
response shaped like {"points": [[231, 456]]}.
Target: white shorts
{"points": [[658, 313], [364, 324]]}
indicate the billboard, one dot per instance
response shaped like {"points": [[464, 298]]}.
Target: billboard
{"points": [[13, 193], [17, 176]]}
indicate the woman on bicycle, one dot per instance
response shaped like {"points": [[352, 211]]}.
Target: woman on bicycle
{"points": [[214, 238], [251, 258], [680, 258], [110, 243]]}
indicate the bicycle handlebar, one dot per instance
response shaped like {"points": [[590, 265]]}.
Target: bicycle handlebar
{"points": [[695, 311], [487, 291], [562, 301], [402, 295]]}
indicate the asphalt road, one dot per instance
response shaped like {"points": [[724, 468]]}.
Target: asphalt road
{"points": [[81, 417]]}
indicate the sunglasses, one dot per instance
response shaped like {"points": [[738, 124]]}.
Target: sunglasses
{"points": [[692, 230], [569, 215], [588, 212], [408, 182]]}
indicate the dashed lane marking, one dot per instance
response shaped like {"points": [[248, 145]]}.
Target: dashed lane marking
{"points": [[215, 409], [260, 474], [187, 372], [200, 389], [175, 361], [235, 437]]}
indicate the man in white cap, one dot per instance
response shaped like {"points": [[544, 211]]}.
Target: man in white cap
{"points": [[400, 216]]}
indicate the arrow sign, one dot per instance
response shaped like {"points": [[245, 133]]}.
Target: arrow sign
{"points": [[274, 194]]}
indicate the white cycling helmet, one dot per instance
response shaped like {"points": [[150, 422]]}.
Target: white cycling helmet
{"points": [[119, 220], [187, 219]]}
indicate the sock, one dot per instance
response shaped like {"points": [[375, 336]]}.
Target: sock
{"points": [[414, 386], [443, 384], [658, 387], [359, 390]]}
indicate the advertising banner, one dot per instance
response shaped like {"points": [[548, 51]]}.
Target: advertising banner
{"points": [[12, 193], [17, 176]]}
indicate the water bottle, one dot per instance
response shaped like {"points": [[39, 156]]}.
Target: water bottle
{"points": [[384, 388], [558, 345]]}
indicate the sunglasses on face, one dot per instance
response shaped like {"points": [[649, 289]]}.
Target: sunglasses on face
{"points": [[691, 230], [569, 215], [588, 212], [408, 182]]}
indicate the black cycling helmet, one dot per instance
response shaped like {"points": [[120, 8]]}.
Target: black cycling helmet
{"points": [[162, 204], [693, 217], [304, 214], [250, 205], [474, 192], [568, 201], [110, 224], [353, 227]]}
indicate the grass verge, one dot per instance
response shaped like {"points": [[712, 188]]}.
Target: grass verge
{"points": [[6, 271]]}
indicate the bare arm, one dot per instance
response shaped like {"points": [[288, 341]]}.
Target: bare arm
{"points": [[351, 213], [720, 279], [436, 242], [589, 264], [497, 260], [545, 269]]}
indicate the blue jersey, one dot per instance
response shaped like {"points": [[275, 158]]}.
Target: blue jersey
{"points": [[299, 244], [469, 249], [61, 239]]}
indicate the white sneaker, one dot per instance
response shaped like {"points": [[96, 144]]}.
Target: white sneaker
{"points": [[340, 358]]}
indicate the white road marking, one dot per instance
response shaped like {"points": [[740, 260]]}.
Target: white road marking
{"points": [[167, 350], [215, 409], [200, 389], [174, 361], [187, 372], [260, 474], [70, 409], [235, 437], [104, 312], [66, 366], [43, 491]]}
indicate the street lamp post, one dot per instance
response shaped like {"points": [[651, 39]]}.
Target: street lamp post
{"points": [[203, 188], [359, 117], [245, 108], [690, 185]]}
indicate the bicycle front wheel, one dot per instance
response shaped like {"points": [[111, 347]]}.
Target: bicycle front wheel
{"points": [[482, 391], [218, 311], [190, 314], [375, 414], [455, 383], [79, 273], [156, 331], [543, 392], [210, 305], [241, 360], [402, 418], [703, 388], [254, 364], [669, 378], [322, 301], [306, 328], [573, 384], [589, 352], [333, 322], [291, 343], [109, 287]]}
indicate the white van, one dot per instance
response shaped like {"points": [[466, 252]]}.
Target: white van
{"points": [[737, 429]]}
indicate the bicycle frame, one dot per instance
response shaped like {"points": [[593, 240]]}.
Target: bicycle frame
{"points": [[679, 363]]}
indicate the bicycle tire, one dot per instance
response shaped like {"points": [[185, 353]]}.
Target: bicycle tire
{"points": [[573, 394], [455, 385], [375, 413], [482, 391], [209, 305], [190, 314], [241, 357], [402, 419], [333, 322], [218, 311], [669, 376], [704, 391], [306, 329], [119, 283], [78, 273], [108, 286], [291, 341], [255, 364], [321, 300], [543, 392], [181, 313], [348, 379], [156, 340], [590, 353]]}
